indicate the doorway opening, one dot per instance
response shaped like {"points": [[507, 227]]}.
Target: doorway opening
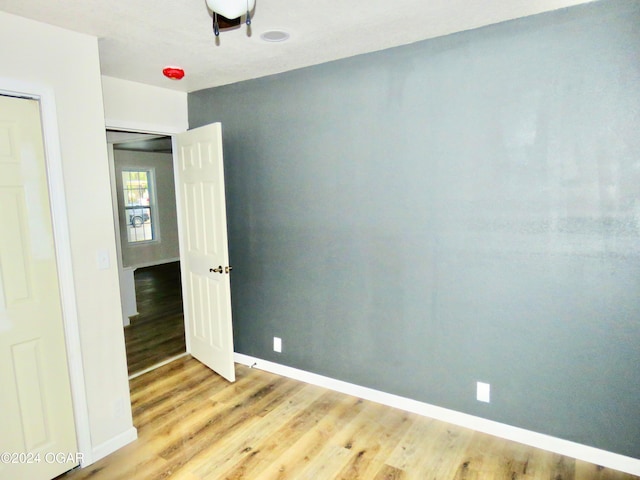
{"points": [[156, 334], [144, 205]]}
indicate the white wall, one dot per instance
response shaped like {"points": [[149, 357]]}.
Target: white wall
{"points": [[67, 63], [137, 107], [166, 248]]}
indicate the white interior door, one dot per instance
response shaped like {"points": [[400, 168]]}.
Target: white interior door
{"points": [[35, 397], [204, 256]]}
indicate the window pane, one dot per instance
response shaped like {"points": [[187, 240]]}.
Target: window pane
{"points": [[136, 187]]}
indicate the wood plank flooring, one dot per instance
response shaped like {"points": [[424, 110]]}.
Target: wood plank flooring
{"points": [[193, 425], [157, 333]]}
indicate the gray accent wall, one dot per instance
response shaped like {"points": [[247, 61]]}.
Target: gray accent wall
{"points": [[457, 210]]}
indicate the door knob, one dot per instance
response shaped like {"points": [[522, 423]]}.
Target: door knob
{"points": [[228, 269], [217, 270]]}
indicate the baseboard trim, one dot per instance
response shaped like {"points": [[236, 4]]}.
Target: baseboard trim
{"points": [[516, 434], [113, 444], [154, 263]]}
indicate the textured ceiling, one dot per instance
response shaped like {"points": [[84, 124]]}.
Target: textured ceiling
{"points": [[137, 38]]}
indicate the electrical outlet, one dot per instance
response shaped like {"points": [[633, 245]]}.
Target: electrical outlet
{"points": [[483, 392], [277, 344]]}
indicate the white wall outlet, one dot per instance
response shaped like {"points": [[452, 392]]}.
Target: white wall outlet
{"points": [[277, 344], [483, 392]]}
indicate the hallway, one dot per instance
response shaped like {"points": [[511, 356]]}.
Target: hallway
{"points": [[157, 332]]}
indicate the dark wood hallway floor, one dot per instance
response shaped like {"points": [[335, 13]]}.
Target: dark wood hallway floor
{"points": [[157, 333]]}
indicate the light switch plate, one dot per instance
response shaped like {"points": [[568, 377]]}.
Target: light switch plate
{"points": [[102, 259]]}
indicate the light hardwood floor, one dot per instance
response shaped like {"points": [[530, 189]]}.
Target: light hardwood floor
{"points": [[193, 425]]}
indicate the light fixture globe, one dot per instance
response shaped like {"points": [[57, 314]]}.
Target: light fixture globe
{"points": [[231, 8]]}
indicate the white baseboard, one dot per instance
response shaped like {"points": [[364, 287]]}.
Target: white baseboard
{"points": [[113, 444], [520, 435], [154, 263]]}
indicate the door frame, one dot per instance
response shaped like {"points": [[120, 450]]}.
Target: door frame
{"points": [[62, 244], [153, 130]]}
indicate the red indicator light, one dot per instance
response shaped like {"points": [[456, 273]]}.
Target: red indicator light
{"points": [[174, 73]]}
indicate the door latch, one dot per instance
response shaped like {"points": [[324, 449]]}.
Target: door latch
{"points": [[220, 270]]}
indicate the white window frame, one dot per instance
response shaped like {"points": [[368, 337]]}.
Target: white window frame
{"points": [[153, 205]]}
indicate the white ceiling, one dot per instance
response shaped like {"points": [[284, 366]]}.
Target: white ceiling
{"points": [[138, 38]]}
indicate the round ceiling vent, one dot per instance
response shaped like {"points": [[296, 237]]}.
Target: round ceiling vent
{"points": [[274, 36]]}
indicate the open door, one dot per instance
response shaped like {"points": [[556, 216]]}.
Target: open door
{"points": [[204, 255]]}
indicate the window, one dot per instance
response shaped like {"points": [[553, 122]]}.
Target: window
{"points": [[137, 188]]}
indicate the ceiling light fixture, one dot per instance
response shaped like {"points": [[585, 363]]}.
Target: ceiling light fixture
{"points": [[227, 13]]}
